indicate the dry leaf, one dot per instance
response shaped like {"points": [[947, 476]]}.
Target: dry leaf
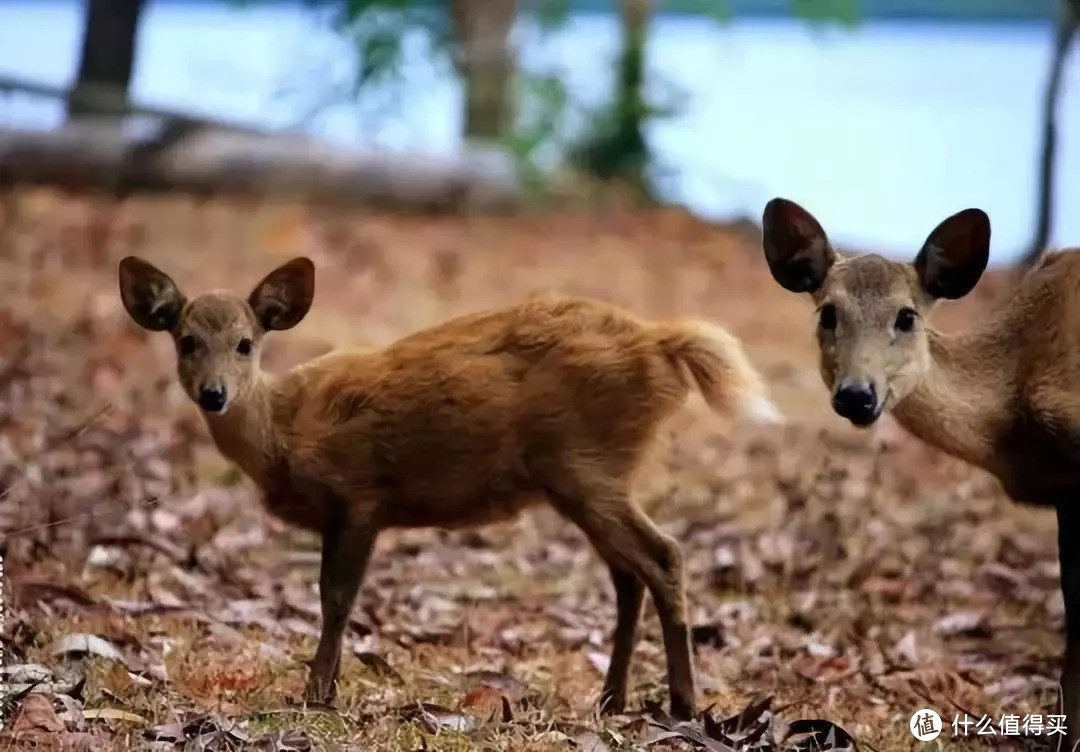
{"points": [[907, 648], [33, 591], [87, 644], [686, 730], [600, 661], [282, 741], [73, 713], [588, 741], [36, 713], [486, 702], [970, 623], [378, 664], [513, 688], [434, 717], [112, 714], [816, 734]]}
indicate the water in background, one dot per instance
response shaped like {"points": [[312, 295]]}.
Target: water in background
{"points": [[881, 131]]}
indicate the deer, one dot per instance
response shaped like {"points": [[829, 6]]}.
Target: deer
{"points": [[1003, 396], [470, 421]]}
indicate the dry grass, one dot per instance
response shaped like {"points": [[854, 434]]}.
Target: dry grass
{"points": [[823, 562]]}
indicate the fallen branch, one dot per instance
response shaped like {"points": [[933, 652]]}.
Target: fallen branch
{"points": [[188, 157], [108, 101]]}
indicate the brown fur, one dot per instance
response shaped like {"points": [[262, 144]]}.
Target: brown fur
{"points": [[1004, 396], [467, 422]]}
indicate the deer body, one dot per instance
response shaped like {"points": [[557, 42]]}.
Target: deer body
{"points": [[1004, 396], [468, 422]]}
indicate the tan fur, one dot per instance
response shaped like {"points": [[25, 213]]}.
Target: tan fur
{"points": [[1004, 396], [467, 422]]}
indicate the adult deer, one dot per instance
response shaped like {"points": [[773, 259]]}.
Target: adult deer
{"points": [[1004, 396], [463, 423]]}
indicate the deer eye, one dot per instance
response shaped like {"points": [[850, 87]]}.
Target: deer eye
{"points": [[827, 317], [244, 347], [187, 345], [905, 320]]}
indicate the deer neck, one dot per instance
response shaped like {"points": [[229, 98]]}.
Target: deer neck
{"points": [[960, 405], [245, 433]]}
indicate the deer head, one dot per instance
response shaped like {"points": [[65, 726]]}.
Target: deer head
{"points": [[871, 311], [217, 334]]}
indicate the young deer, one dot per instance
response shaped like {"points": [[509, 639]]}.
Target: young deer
{"points": [[463, 423], [1004, 396]]}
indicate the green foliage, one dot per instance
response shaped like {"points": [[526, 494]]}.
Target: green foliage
{"points": [[378, 27], [615, 147], [720, 10], [550, 15], [845, 12], [542, 106]]}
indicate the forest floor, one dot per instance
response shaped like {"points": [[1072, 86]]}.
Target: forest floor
{"points": [[837, 575]]}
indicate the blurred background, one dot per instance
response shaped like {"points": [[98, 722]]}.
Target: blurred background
{"points": [[435, 159], [882, 116]]}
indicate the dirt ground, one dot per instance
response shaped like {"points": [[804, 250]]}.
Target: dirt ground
{"points": [[848, 576]]}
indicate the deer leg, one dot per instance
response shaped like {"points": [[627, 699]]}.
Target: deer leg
{"points": [[629, 593], [1068, 528], [664, 576], [345, 553], [628, 540]]}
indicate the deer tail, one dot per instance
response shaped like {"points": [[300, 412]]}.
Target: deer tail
{"points": [[719, 367]]}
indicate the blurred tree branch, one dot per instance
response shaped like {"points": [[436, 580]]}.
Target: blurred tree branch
{"points": [[106, 101], [1068, 22]]}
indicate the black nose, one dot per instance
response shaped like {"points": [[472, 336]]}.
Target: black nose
{"points": [[856, 401], [212, 400]]}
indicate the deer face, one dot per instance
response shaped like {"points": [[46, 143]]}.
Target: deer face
{"points": [[217, 334], [874, 347]]}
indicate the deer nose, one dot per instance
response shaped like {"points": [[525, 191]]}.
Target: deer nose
{"points": [[212, 399], [856, 401]]}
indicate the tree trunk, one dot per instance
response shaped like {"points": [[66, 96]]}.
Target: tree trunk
{"points": [[486, 63], [1066, 31], [631, 103], [108, 53]]}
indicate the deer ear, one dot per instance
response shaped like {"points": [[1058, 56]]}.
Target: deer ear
{"points": [[283, 297], [796, 247], [149, 295], [955, 255]]}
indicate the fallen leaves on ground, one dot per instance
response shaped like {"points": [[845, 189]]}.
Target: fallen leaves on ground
{"points": [[842, 578]]}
